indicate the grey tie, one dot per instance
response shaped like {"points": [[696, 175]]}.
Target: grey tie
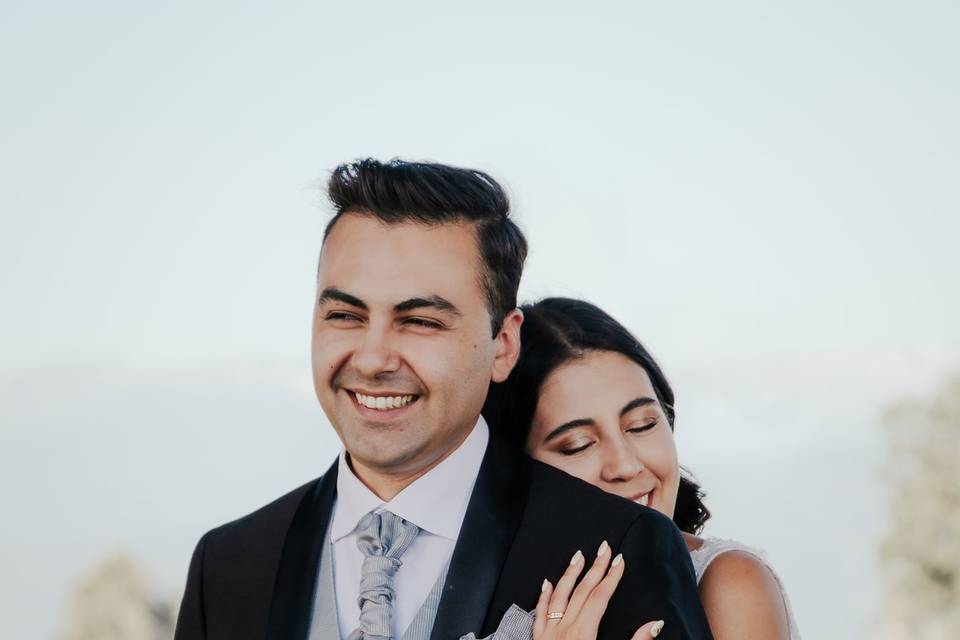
{"points": [[382, 538]]}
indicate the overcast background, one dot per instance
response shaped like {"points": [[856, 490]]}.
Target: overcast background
{"points": [[766, 193]]}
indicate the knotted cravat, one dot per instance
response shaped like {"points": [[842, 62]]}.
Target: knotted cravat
{"points": [[382, 538]]}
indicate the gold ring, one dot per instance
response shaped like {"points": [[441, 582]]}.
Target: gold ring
{"points": [[554, 615]]}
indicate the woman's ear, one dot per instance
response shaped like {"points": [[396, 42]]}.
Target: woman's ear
{"points": [[508, 346]]}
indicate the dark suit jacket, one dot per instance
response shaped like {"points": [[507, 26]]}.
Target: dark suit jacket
{"points": [[254, 578]]}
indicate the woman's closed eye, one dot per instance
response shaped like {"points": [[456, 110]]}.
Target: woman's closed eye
{"points": [[642, 428], [574, 447]]}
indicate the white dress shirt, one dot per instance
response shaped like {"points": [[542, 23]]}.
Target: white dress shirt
{"points": [[436, 502]]}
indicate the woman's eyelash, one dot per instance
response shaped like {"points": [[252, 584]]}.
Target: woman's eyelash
{"points": [[575, 450], [641, 429], [570, 452]]}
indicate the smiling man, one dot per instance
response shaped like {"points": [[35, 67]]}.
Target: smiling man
{"points": [[427, 525], [402, 345]]}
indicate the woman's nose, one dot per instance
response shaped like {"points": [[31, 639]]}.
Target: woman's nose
{"points": [[620, 463]]}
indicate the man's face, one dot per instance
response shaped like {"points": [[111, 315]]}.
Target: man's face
{"points": [[402, 351]]}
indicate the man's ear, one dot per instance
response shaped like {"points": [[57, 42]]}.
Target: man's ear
{"points": [[508, 346]]}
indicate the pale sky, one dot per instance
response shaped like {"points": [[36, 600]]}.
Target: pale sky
{"points": [[765, 194]]}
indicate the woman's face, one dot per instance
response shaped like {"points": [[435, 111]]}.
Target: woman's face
{"points": [[598, 418]]}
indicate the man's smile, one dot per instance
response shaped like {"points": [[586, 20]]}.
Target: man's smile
{"points": [[383, 405], [383, 402]]}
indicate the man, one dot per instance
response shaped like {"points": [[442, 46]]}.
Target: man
{"points": [[427, 525]]}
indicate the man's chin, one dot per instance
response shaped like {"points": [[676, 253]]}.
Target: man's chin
{"points": [[382, 459]]}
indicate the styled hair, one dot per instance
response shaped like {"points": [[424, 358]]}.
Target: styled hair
{"points": [[554, 332], [431, 194]]}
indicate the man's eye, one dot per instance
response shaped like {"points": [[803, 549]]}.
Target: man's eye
{"points": [[642, 428], [423, 322], [340, 315]]}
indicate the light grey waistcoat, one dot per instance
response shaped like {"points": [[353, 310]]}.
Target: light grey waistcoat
{"points": [[323, 623]]}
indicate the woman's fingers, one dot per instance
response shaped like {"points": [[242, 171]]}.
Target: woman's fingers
{"points": [[583, 609], [590, 580], [540, 619], [561, 593], [648, 631], [596, 603]]}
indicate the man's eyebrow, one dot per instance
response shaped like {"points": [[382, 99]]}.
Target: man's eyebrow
{"points": [[434, 302], [636, 402], [566, 426], [332, 293]]}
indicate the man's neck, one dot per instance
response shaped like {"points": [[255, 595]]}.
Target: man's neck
{"points": [[386, 484]]}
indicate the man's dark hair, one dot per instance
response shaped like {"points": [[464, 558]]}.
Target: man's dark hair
{"points": [[556, 331], [430, 194]]}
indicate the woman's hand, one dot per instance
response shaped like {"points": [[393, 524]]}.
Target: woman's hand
{"points": [[561, 615]]}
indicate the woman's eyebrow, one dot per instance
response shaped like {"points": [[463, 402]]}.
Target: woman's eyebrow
{"points": [[566, 426], [636, 402]]}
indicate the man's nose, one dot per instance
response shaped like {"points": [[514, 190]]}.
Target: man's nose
{"points": [[620, 463], [376, 353]]}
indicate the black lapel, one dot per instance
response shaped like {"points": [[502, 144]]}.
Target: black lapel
{"points": [[292, 602], [492, 518]]}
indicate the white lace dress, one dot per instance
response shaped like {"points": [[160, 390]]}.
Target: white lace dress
{"points": [[713, 547], [517, 624]]}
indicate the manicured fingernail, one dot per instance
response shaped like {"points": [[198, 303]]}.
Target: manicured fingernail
{"points": [[616, 561], [545, 585], [602, 551], [577, 557], [656, 628]]}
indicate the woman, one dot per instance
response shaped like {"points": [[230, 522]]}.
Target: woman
{"points": [[587, 398]]}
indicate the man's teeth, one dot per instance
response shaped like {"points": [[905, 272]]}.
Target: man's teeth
{"points": [[644, 499], [383, 402]]}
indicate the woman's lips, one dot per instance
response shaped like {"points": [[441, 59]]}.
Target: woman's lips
{"points": [[644, 498]]}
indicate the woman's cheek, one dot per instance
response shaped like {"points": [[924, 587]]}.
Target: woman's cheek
{"points": [[665, 458], [581, 466]]}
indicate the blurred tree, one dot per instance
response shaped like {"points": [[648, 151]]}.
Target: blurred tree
{"points": [[114, 603], [921, 551]]}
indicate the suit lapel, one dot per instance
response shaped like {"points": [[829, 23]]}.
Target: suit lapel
{"points": [[291, 607], [493, 516]]}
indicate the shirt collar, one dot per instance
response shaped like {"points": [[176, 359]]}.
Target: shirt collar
{"points": [[436, 501]]}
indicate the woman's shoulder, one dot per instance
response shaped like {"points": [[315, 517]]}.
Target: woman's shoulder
{"points": [[706, 551], [738, 568], [740, 591]]}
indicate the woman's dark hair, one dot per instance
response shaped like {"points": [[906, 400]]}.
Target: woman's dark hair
{"points": [[555, 331], [430, 194]]}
